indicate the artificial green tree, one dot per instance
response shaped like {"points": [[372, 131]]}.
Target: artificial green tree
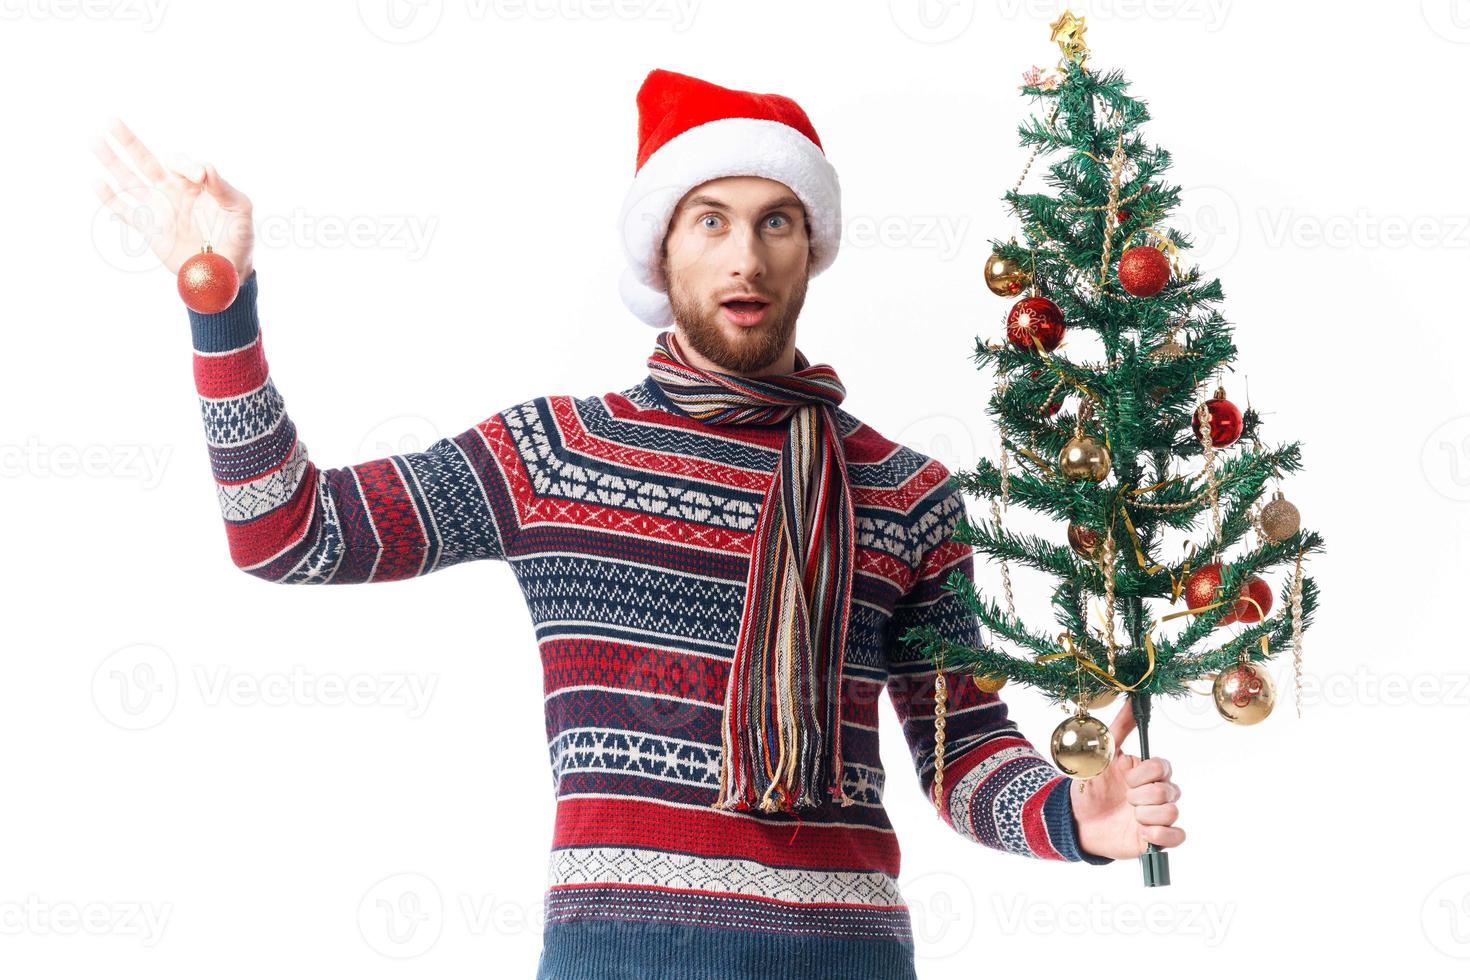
{"points": [[1121, 448]]}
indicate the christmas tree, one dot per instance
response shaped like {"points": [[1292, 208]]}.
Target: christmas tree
{"points": [[1122, 447]]}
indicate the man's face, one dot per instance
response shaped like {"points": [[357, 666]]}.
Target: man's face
{"points": [[737, 258]]}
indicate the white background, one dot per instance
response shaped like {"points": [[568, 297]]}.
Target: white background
{"points": [[477, 154]]}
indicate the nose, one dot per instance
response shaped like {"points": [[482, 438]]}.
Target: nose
{"points": [[748, 260]]}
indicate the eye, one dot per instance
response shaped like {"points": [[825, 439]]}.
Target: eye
{"points": [[780, 217], [709, 217]]}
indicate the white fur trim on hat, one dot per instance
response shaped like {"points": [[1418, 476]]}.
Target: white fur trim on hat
{"points": [[730, 147]]}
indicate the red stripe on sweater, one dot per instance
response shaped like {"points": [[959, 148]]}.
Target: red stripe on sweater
{"points": [[255, 541], [705, 832], [402, 537], [230, 375]]}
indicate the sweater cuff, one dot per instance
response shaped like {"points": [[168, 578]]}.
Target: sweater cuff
{"points": [[1061, 824], [231, 328]]}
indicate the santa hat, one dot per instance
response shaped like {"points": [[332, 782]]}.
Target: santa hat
{"points": [[691, 131]]}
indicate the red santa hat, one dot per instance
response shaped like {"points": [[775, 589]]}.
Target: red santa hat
{"points": [[691, 131]]}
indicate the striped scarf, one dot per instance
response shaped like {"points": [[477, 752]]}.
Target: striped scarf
{"points": [[782, 734]]}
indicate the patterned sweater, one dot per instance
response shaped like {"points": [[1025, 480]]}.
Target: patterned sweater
{"points": [[628, 525]]}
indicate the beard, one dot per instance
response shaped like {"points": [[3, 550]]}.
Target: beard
{"points": [[705, 329]]}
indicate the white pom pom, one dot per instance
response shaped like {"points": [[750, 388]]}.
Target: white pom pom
{"points": [[647, 304]]}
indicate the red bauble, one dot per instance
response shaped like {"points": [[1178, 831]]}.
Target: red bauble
{"points": [[208, 282], [1244, 612], [1226, 422], [1200, 588], [1038, 315], [1143, 270]]}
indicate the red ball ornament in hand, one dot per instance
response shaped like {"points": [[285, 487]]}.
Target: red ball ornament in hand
{"points": [[1143, 270], [208, 281], [1226, 422], [1203, 582], [1039, 316]]}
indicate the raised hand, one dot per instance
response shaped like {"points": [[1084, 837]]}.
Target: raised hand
{"points": [[169, 206]]}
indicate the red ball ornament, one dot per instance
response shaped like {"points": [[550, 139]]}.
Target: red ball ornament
{"points": [[1143, 270], [1200, 588], [1035, 315], [1244, 612], [208, 281], [1226, 422]]}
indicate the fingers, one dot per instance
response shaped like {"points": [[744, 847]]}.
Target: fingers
{"points": [[1149, 771], [145, 160], [1162, 815], [1153, 793], [127, 179], [1162, 836]]}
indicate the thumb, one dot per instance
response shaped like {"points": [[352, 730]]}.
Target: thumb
{"points": [[186, 167], [1123, 724], [225, 193]]}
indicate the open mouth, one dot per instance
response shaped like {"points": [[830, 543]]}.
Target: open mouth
{"points": [[745, 312]]}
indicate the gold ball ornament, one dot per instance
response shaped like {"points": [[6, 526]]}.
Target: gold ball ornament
{"points": [[1100, 699], [1082, 746], [1280, 519], [1084, 458], [1244, 694], [990, 683], [1169, 350], [1083, 540], [1006, 277]]}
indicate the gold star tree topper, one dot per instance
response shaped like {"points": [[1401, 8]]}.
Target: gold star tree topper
{"points": [[1067, 31]]}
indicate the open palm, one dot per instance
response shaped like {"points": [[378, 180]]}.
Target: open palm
{"points": [[169, 206], [1130, 804]]}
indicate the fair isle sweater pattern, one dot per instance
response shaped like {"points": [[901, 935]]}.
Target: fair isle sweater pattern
{"points": [[628, 525]]}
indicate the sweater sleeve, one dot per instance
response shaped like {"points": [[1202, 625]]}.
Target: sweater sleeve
{"points": [[288, 521], [999, 790]]}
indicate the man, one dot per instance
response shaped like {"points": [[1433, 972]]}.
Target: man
{"points": [[719, 562]]}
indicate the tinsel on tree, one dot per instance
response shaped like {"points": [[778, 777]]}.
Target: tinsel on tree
{"points": [[1120, 448]]}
